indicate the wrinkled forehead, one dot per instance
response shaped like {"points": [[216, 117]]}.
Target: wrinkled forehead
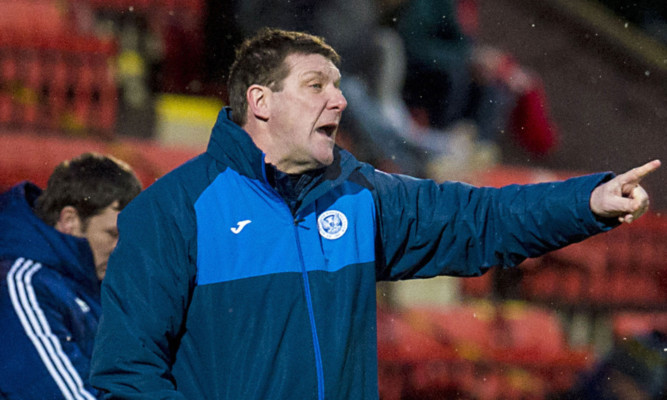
{"points": [[301, 64]]}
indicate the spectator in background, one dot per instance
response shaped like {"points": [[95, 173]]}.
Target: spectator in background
{"points": [[456, 79], [54, 247]]}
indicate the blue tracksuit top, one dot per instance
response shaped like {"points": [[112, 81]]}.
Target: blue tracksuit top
{"points": [[49, 305], [216, 290]]}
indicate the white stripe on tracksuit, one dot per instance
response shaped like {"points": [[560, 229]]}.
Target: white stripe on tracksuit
{"points": [[38, 330]]}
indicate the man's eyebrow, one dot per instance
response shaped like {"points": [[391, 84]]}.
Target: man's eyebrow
{"points": [[314, 74]]}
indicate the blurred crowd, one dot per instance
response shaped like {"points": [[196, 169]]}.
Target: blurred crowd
{"points": [[425, 96]]}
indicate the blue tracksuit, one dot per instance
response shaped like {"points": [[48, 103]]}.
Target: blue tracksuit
{"points": [[49, 305], [217, 290]]}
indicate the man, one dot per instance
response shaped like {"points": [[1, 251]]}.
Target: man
{"points": [[250, 271], [54, 247]]}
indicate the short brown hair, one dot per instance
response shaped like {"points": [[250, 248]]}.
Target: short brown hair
{"points": [[90, 183], [260, 60]]}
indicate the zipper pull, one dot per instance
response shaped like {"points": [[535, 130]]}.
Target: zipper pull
{"points": [[298, 221]]}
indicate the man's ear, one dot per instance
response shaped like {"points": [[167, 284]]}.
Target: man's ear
{"points": [[69, 221], [258, 98]]}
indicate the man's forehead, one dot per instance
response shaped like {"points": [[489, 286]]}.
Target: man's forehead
{"points": [[316, 64]]}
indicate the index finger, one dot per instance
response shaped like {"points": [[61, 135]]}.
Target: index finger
{"points": [[639, 173]]}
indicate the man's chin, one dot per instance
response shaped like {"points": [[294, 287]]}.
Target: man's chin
{"points": [[101, 270], [326, 161], [327, 157]]}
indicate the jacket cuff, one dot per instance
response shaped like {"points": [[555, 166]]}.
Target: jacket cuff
{"points": [[592, 221]]}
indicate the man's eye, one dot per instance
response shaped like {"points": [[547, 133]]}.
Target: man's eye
{"points": [[316, 85]]}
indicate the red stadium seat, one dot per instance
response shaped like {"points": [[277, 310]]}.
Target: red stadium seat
{"points": [[33, 17], [63, 82]]}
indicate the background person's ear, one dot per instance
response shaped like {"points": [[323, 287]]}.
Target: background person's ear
{"points": [[69, 222], [258, 98]]}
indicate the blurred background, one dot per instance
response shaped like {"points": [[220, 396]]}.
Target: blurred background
{"points": [[488, 92]]}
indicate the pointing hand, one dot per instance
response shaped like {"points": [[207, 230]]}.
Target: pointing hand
{"points": [[623, 197]]}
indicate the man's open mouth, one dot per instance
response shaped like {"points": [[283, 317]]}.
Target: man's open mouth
{"points": [[328, 129]]}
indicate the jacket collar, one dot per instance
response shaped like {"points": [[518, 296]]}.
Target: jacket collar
{"points": [[24, 234], [232, 146]]}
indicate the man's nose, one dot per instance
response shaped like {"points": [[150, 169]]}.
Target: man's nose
{"points": [[338, 101]]}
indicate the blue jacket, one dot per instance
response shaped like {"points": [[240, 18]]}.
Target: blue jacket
{"points": [[49, 305], [217, 290]]}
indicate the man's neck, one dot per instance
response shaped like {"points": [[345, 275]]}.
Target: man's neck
{"points": [[291, 186]]}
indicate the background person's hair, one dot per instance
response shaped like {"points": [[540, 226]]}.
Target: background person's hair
{"points": [[260, 60], [89, 183]]}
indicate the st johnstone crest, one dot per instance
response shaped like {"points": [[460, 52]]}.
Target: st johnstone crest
{"points": [[332, 224]]}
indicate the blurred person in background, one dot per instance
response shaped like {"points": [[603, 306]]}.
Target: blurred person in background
{"points": [[250, 272], [54, 247], [461, 82]]}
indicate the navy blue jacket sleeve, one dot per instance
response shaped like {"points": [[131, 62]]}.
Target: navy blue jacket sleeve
{"points": [[428, 229], [145, 296], [39, 354]]}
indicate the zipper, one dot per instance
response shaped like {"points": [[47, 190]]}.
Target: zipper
{"points": [[311, 314], [306, 287]]}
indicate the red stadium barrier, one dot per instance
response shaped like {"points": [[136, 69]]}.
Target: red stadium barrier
{"points": [[31, 156]]}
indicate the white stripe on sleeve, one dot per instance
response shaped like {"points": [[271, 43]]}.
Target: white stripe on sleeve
{"points": [[36, 326]]}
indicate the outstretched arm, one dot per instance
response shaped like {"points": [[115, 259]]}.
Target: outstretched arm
{"points": [[457, 229], [623, 197]]}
